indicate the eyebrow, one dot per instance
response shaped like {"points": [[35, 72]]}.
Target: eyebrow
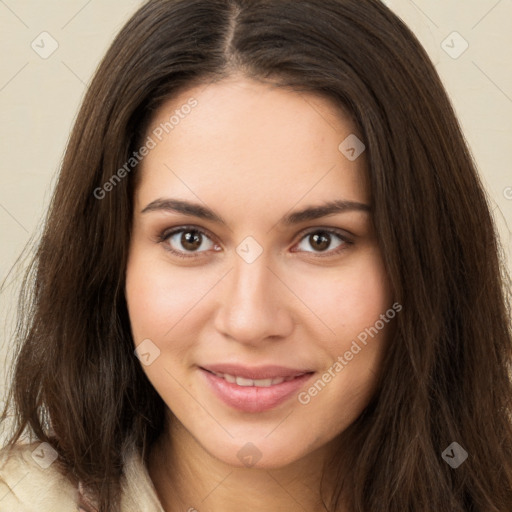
{"points": [[306, 214]]}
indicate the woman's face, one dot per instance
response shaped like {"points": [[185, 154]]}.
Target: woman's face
{"points": [[236, 274]]}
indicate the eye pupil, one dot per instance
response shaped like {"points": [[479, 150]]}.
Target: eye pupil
{"points": [[191, 240], [321, 240]]}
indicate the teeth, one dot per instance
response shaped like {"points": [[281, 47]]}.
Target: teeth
{"points": [[244, 382], [264, 383], [261, 383]]}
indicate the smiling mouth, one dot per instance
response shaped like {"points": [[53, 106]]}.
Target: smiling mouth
{"points": [[269, 387], [260, 383]]}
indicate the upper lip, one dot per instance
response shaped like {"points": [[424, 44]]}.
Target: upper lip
{"points": [[255, 372]]}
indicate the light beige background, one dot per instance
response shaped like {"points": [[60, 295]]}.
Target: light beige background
{"points": [[39, 100]]}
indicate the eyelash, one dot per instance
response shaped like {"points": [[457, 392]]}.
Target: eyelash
{"points": [[166, 234]]}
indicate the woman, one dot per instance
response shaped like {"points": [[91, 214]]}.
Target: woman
{"points": [[269, 279]]}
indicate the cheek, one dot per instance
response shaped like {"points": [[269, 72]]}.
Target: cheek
{"points": [[160, 301], [348, 299], [352, 306], [363, 297]]}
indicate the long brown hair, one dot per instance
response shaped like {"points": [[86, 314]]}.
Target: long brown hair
{"points": [[76, 383]]}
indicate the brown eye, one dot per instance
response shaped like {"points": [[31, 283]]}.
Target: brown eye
{"points": [[186, 241], [320, 241], [191, 240], [323, 241]]}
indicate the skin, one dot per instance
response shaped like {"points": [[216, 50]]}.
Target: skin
{"points": [[253, 153]]}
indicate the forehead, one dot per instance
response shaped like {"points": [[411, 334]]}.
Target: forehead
{"points": [[251, 143]]}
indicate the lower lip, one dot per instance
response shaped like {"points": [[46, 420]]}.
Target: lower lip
{"points": [[254, 398]]}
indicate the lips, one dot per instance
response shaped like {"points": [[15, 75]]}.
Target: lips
{"points": [[255, 389], [256, 372], [261, 383]]}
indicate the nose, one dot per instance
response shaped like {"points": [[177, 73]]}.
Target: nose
{"points": [[255, 305]]}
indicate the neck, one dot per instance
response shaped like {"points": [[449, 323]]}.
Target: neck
{"points": [[187, 478]]}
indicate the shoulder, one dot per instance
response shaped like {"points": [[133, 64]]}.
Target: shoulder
{"points": [[138, 492], [31, 481]]}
